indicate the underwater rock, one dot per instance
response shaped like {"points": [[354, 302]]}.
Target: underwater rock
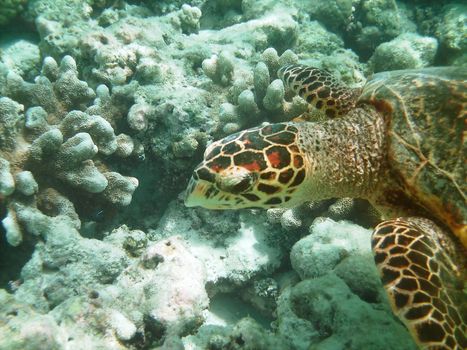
{"points": [[175, 307], [363, 24], [167, 6], [359, 273], [60, 10], [340, 292], [336, 15], [85, 276], [246, 334], [115, 291], [314, 38], [75, 265], [323, 309], [378, 21]]}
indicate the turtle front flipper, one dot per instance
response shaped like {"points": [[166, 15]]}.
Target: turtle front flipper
{"points": [[424, 285], [329, 97]]}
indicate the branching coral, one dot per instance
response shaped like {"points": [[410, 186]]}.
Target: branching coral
{"points": [[56, 148], [263, 99]]}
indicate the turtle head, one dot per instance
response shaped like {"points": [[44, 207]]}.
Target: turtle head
{"points": [[256, 168]]}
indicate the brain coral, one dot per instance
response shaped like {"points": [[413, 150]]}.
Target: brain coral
{"points": [[54, 148]]}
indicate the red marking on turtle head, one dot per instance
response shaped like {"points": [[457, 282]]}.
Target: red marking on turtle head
{"points": [[297, 161], [216, 168], [253, 166], [274, 159]]}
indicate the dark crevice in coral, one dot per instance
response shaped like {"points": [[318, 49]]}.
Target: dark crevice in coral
{"points": [[150, 199], [152, 335], [16, 30], [12, 259], [220, 14]]}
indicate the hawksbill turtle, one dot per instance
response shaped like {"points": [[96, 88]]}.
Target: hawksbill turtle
{"points": [[397, 142]]}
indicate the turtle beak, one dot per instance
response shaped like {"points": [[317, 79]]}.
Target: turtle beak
{"points": [[195, 193]]}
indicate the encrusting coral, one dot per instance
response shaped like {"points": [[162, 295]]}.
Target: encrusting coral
{"points": [[50, 143]]}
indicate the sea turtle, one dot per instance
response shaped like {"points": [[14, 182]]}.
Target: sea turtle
{"points": [[399, 143]]}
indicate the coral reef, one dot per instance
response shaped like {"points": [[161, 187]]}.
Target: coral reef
{"points": [[334, 261], [93, 258], [107, 297], [107, 280]]}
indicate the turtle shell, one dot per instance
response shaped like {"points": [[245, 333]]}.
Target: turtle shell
{"points": [[425, 111]]}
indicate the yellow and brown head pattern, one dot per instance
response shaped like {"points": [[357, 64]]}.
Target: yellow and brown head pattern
{"points": [[255, 168]]}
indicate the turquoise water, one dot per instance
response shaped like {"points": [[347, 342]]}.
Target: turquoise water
{"points": [[106, 107]]}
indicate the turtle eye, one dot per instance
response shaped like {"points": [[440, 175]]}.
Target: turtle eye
{"points": [[238, 181]]}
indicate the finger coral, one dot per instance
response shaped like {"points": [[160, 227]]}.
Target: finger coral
{"points": [[50, 139], [262, 99]]}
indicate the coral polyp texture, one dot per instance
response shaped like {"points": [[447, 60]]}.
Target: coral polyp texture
{"points": [[51, 145]]}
